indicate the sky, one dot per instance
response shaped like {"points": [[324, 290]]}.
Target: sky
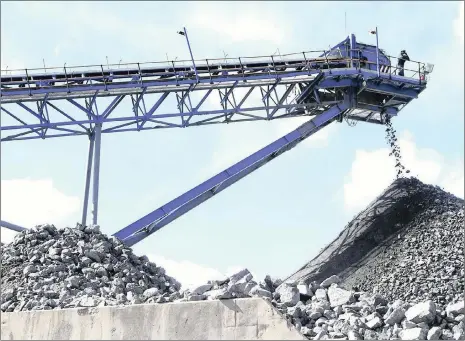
{"points": [[282, 215]]}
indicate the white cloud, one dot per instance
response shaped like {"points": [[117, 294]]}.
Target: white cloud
{"points": [[459, 23], [27, 202], [373, 171], [190, 274]]}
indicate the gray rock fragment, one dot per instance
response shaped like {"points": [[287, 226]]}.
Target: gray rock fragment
{"points": [[151, 292], [374, 323], [338, 296], [354, 335], [456, 308], [289, 294], [396, 316], [196, 298], [219, 294], [320, 335], [321, 294], [304, 289], [459, 331], [421, 312], [413, 334], [88, 302], [30, 269], [370, 335], [434, 333], [330, 280], [201, 289], [260, 292]]}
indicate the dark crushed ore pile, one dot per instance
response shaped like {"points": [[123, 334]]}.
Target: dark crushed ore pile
{"points": [[424, 261], [408, 244]]}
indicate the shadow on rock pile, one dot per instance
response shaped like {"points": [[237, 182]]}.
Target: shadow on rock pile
{"points": [[408, 244]]}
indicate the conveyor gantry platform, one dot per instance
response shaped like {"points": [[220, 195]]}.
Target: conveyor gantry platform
{"points": [[352, 80]]}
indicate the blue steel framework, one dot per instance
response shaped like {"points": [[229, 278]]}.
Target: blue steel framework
{"points": [[326, 88]]}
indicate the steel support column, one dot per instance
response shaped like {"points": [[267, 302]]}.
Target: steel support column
{"points": [[88, 174], [97, 145], [155, 220]]}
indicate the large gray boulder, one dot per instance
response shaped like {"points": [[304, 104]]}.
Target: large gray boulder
{"points": [[396, 316], [421, 312], [413, 334], [456, 308], [289, 294], [338, 296]]}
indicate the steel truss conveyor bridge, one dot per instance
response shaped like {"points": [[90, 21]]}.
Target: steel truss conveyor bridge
{"points": [[352, 81]]}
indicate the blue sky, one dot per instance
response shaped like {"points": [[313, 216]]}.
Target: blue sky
{"points": [[281, 215]]}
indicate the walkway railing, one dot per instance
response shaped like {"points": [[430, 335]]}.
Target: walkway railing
{"points": [[207, 68]]}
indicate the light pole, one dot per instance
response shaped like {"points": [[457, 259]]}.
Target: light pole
{"points": [[184, 33], [377, 49]]}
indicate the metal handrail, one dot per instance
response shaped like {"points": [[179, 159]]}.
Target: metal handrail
{"points": [[74, 74]]}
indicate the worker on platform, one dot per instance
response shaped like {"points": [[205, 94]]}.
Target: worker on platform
{"points": [[403, 57]]}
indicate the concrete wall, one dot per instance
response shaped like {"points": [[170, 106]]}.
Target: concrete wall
{"points": [[239, 319]]}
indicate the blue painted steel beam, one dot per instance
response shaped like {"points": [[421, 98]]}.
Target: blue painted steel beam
{"points": [[155, 220], [154, 117], [327, 83], [391, 111], [21, 95], [142, 118], [392, 90], [90, 158], [11, 226], [96, 173]]}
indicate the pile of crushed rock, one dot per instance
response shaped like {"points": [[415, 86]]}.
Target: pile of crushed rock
{"points": [[322, 311], [407, 244], [423, 262], [326, 310], [48, 268]]}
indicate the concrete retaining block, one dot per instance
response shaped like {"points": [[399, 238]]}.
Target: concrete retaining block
{"points": [[239, 319]]}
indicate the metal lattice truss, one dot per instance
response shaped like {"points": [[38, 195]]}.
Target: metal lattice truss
{"points": [[94, 101], [148, 107]]}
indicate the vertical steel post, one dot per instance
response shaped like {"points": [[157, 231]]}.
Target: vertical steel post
{"points": [[88, 174], [353, 45], [377, 52], [98, 136], [192, 57]]}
